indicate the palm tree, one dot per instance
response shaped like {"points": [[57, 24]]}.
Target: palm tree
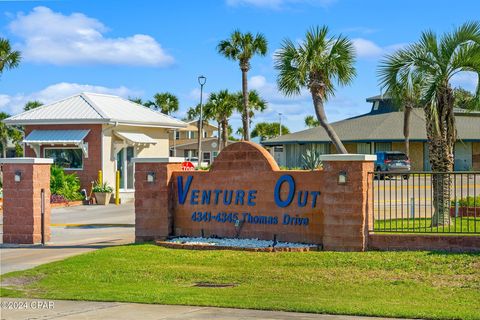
{"points": [[8, 59], [165, 102], [8, 133], [242, 47], [32, 105], [220, 106], [311, 122], [407, 94], [436, 60], [316, 64], [268, 130], [137, 100], [255, 103]]}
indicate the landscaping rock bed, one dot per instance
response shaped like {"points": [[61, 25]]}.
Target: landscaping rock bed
{"points": [[194, 243]]}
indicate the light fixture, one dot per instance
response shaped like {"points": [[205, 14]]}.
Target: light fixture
{"points": [[18, 176], [201, 80], [342, 177], [150, 177]]}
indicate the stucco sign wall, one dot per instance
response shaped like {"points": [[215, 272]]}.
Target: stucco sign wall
{"points": [[246, 195]]}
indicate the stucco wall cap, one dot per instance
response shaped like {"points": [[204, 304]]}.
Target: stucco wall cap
{"points": [[348, 157], [26, 161], [159, 160]]}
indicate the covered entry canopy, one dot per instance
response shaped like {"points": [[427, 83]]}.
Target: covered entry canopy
{"points": [[37, 138], [135, 138]]}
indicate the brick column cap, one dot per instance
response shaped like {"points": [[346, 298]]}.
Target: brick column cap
{"points": [[348, 157], [24, 160], [159, 160]]}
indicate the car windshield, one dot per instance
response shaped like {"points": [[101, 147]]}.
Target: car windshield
{"points": [[397, 156]]}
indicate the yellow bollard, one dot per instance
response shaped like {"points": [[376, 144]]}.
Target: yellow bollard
{"points": [[100, 177], [117, 187]]}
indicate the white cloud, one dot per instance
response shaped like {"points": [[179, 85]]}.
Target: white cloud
{"points": [[13, 104], [59, 39], [278, 4], [269, 90], [368, 49]]}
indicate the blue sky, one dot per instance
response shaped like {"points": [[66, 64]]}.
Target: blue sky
{"points": [[137, 48]]}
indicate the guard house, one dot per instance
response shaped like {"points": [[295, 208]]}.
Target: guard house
{"points": [[89, 132]]}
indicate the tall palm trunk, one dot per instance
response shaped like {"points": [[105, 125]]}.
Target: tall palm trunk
{"points": [[322, 119], [406, 127], [4, 148], [219, 140], [244, 66], [441, 136], [224, 133]]}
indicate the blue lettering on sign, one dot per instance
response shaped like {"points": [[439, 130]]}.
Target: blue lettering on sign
{"points": [[291, 192], [315, 194], [194, 197], [252, 195], [183, 191]]}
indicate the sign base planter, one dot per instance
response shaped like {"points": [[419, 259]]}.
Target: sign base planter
{"points": [[217, 244]]}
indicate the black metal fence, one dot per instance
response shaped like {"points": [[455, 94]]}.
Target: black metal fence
{"points": [[425, 202]]}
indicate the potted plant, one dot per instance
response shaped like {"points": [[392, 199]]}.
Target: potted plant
{"points": [[102, 192]]}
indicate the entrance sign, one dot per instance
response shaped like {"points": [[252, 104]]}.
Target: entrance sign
{"points": [[246, 195]]}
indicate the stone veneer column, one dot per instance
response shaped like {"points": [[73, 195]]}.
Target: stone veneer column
{"points": [[22, 199], [154, 200], [346, 206]]}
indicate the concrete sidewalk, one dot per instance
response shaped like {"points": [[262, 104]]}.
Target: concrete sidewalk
{"points": [[56, 309]]}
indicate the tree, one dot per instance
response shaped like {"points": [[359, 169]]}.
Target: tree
{"points": [[8, 133], [407, 94], [242, 47], [220, 106], [436, 60], [137, 100], [318, 63], [8, 59], [268, 130], [32, 105], [463, 98], [255, 103], [311, 122], [165, 102]]}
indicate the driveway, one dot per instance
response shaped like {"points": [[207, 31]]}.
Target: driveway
{"points": [[75, 230]]}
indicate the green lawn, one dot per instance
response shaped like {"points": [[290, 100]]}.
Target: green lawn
{"points": [[459, 225], [398, 284]]}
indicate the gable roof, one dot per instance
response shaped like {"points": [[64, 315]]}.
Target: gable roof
{"points": [[95, 108], [380, 127]]}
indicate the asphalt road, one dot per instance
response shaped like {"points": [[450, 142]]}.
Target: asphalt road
{"points": [[75, 230]]}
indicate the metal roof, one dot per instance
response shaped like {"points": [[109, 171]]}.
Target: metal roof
{"points": [[56, 136], [380, 127], [134, 137], [95, 108]]}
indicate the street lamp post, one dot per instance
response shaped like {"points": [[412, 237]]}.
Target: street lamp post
{"points": [[280, 116], [201, 80]]}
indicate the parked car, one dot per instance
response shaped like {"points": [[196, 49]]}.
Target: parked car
{"points": [[394, 161]]}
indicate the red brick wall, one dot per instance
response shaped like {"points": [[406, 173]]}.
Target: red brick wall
{"points": [[423, 242], [92, 164], [22, 203], [338, 221]]}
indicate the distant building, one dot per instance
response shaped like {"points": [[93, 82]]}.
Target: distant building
{"points": [[382, 130], [184, 142]]}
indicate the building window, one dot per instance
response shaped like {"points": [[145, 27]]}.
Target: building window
{"points": [[376, 104], [278, 149], [192, 134], [177, 135], [67, 158], [363, 148], [383, 146]]}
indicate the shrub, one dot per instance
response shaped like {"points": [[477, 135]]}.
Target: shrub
{"points": [[102, 187], [311, 159], [66, 185], [468, 202], [287, 168]]}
